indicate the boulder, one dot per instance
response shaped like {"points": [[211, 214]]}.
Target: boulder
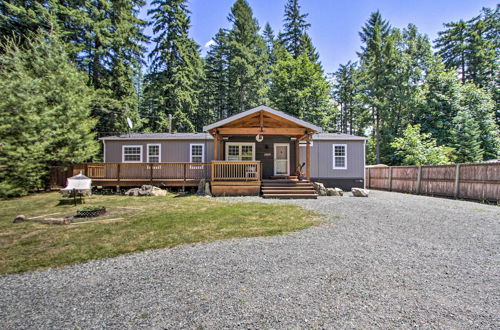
{"points": [[158, 192], [201, 187], [320, 188], [358, 192], [132, 192], [334, 192], [146, 190], [19, 218], [207, 189]]}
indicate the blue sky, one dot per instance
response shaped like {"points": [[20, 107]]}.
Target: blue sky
{"points": [[335, 23]]}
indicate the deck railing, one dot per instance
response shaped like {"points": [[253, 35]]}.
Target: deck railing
{"points": [[144, 171], [177, 173], [236, 171]]}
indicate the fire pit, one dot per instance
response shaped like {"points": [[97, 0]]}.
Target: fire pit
{"points": [[90, 212]]}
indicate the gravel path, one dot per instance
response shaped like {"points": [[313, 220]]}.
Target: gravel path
{"points": [[390, 260]]}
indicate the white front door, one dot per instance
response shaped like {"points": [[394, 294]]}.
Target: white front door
{"points": [[281, 159]]}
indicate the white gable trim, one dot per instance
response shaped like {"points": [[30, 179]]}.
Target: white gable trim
{"points": [[257, 109]]}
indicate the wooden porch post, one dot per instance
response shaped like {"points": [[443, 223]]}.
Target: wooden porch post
{"points": [[297, 155], [216, 144], [308, 158]]}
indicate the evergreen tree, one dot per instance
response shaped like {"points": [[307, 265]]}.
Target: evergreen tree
{"points": [[247, 63], [176, 67], [346, 91], [441, 102], [270, 41], [299, 88], [19, 18], [466, 138], [295, 26], [480, 105], [45, 111], [452, 44], [215, 94], [376, 71]]}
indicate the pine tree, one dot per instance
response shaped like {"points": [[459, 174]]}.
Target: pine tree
{"points": [[270, 40], [376, 71], [466, 138], [45, 111], [176, 66], [346, 92], [441, 102], [294, 28], [215, 93], [247, 63], [20, 18], [452, 44], [480, 104]]}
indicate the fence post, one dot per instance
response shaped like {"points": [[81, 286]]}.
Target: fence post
{"points": [[419, 179], [390, 178], [457, 180]]}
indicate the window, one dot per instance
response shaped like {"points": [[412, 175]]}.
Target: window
{"points": [[154, 153], [197, 154], [132, 154], [339, 156], [240, 151]]}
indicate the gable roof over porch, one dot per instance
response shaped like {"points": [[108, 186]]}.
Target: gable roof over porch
{"points": [[262, 120]]}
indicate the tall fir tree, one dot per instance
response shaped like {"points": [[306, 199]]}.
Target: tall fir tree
{"points": [[376, 71], [215, 93], [247, 63], [295, 26], [45, 111], [466, 138], [176, 67], [480, 104], [352, 117], [270, 40], [452, 44]]}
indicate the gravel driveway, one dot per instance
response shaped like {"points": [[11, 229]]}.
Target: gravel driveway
{"points": [[390, 260]]}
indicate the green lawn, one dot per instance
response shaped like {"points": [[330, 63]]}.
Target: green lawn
{"points": [[160, 222]]}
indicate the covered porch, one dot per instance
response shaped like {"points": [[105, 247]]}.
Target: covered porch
{"points": [[258, 145]]}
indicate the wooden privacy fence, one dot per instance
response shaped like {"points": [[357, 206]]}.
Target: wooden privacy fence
{"points": [[479, 181]]}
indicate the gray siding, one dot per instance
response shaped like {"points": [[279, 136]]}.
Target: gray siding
{"points": [[171, 150], [321, 154], [322, 159]]}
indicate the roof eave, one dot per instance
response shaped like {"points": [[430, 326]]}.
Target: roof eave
{"points": [[315, 128]]}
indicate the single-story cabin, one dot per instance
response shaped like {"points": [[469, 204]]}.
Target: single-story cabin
{"points": [[258, 150]]}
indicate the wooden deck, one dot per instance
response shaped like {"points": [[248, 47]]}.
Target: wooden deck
{"points": [[227, 178]]}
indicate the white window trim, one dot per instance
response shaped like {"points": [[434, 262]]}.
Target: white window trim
{"points": [[191, 151], [159, 151], [240, 144], [345, 157], [131, 146]]}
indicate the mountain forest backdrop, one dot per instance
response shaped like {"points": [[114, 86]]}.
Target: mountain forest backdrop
{"points": [[72, 71]]}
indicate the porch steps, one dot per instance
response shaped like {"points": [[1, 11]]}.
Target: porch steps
{"points": [[283, 188]]}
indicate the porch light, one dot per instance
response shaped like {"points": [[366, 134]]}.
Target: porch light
{"points": [[259, 138]]}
